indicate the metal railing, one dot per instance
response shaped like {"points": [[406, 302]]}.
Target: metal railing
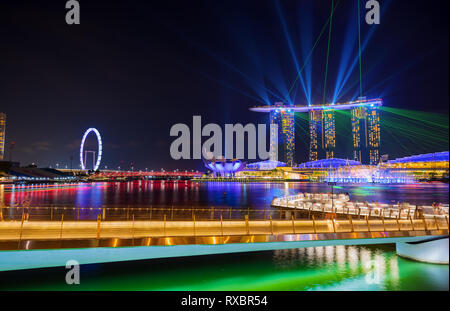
{"points": [[340, 205], [98, 229]]}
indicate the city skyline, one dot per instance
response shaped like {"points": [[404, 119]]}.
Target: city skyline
{"points": [[174, 64]]}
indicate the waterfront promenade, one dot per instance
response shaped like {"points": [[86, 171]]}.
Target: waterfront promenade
{"points": [[72, 230], [340, 204]]}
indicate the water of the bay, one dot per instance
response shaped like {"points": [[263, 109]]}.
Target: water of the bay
{"points": [[320, 268]]}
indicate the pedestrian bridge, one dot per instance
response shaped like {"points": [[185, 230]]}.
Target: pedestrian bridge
{"points": [[34, 244]]}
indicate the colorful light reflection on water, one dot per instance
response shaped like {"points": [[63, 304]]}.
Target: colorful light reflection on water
{"points": [[326, 268], [318, 268], [186, 193]]}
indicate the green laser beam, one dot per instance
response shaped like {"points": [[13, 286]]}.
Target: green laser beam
{"points": [[328, 53], [312, 49], [359, 52]]}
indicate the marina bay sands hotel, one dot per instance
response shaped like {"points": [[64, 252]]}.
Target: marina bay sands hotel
{"points": [[365, 120]]}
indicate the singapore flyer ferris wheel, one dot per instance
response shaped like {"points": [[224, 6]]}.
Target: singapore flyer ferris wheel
{"points": [[83, 155]]}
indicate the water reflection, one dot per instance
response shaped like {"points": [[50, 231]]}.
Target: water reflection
{"points": [[315, 268], [188, 193], [359, 268]]}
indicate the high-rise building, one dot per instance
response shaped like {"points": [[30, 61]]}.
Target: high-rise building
{"points": [[284, 118], [315, 133], [366, 134], [329, 133], [322, 134], [373, 123], [2, 134]]}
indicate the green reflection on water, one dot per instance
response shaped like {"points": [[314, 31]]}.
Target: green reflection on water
{"points": [[318, 268]]}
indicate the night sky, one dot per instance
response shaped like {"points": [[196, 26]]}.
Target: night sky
{"points": [[132, 69]]}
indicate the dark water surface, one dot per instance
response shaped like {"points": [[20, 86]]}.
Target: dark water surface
{"points": [[318, 268], [186, 193]]}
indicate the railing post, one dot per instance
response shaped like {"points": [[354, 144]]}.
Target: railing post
{"points": [[132, 232], [1, 215], [104, 213], [314, 224], [221, 224], [164, 232], [351, 223], [398, 224], [412, 223], [293, 223], [384, 225], [98, 227], [62, 222], [21, 228], [247, 225], [436, 222], [425, 224], [367, 221], [359, 212], [271, 224]]}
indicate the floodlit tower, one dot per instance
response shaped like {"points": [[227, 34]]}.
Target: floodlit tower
{"points": [[274, 119], [2, 134], [366, 133], [288, 130], [358, 122], [373, 124], [322, 134], [330, 133], [284, 118], [315, 136]]}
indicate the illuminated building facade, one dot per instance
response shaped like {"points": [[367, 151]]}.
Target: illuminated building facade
{"points": [[322, 134], [284, 118], [315, 127], [329, 133], [2, 134], [274, 119], [366, 133], [288, 131], [373, 123]]}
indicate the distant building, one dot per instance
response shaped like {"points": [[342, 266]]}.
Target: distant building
{"points": [[328, 163], [224, 168], [266, 165], [2, 134], [422, 166]]}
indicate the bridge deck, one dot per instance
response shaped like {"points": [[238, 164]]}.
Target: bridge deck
{"points": [[60, 230]]}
